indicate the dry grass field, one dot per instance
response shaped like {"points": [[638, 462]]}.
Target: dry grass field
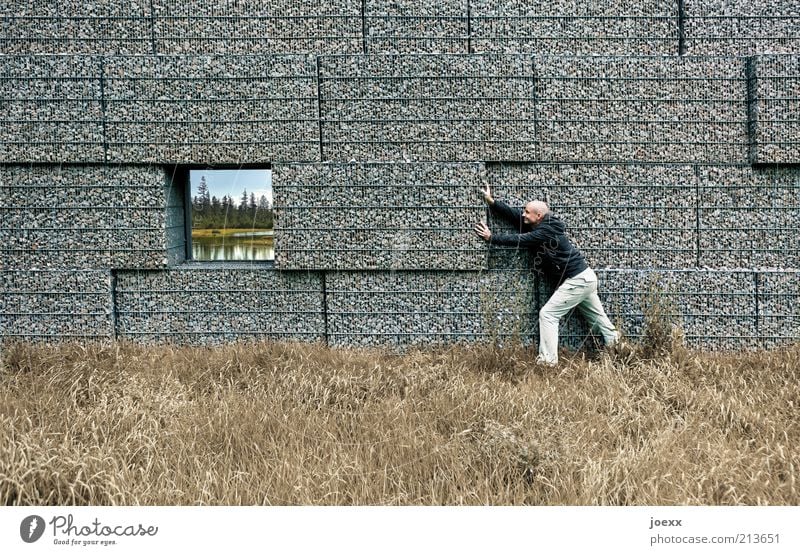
{"points": [[286, 424]]}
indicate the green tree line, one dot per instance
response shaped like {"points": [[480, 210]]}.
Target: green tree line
{"points": [[210, 212]]}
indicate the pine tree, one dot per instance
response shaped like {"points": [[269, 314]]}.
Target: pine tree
{"points": [[225, 211], [242, 211], [263, 213], [215, 212], [201, 204], [202, 199]]}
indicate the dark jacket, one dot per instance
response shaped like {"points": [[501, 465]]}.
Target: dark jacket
{"points": [[554, 255]]}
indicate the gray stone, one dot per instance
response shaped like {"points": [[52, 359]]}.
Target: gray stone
{"points": [[378, 216], [56, 305], [402, 309], [257, 27], [211, 109], [204, 303], [427, 108], [76, 27], [749, 218], [777, 105], [412, 27], [742, 27], [565, 27], [654, 109], [778, 308], [89, 217], [51, 109]]}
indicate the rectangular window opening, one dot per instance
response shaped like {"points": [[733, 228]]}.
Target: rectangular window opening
{"points": [[230, 213]]}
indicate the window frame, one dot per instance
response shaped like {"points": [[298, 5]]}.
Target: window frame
{"points": [[181, 177]]}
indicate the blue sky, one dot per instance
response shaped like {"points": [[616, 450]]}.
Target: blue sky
{"points": [[233, 182]]}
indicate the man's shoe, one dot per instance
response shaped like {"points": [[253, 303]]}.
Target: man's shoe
{"points": [[621, 349]]}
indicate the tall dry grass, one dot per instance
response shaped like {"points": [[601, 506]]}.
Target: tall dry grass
{"points": [[284, 423]]}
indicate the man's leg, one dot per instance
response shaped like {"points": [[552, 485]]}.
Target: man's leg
{"points": [[592, 310], [568, 295]]}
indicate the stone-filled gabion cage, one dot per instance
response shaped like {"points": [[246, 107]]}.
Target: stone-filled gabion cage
{"points": [[665, 133]]}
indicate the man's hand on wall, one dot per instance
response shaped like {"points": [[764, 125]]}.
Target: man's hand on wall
{"points": [[483, 231], [487, 195]]}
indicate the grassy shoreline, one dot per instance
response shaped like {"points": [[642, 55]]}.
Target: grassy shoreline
{"points": [[226, 235], [288, 423]]}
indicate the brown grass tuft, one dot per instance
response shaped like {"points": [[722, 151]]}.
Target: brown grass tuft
{"points": [[292, 423]]}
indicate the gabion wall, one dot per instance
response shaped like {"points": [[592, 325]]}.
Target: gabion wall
{"points": [[410, 26], [665, 133], [777, 125], [564, 27], [666, 216], [56, 305], [620, 216], [229, 109], [378, 216], [741, 27], [90, 217], [715, 309], [432, 107], [52, 109], [216, 303], [425, 308], [663, 109], [76, 27], [748, 219], [560, 27], [256, 27], [778, 313], [492, 107]]}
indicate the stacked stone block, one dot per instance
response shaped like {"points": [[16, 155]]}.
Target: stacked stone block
{"points": [[644, 154], [652, 27], [427, 108], [59, 305], [778, 308], [257, 27], [378, 216], [749, 219], [198, 109], [51, 109], [408, 26], [564, 27], [619, 216], [62, 217], [714, 309], [218, 303], [402, 309], [76, 27], [741, 27], [777, 110], [660, 109]]}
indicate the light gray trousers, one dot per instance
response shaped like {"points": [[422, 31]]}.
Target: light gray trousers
{"points": [[580, 291]]}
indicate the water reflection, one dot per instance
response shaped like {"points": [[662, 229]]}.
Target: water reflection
{"points": [[243, 247], [238, 251]]}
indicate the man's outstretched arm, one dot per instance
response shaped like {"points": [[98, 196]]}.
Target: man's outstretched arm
{"points": [[529, 239], [503, 210]]}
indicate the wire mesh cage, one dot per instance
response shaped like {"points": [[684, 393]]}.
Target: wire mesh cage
{"points": [[378, 216]]}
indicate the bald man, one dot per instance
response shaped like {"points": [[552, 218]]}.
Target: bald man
{"points": [[560, 262]]}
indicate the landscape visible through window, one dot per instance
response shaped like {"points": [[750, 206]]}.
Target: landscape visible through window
{"points": [[232, 214]]}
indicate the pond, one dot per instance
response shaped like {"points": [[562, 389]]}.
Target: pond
{"points": [[252, 245]]}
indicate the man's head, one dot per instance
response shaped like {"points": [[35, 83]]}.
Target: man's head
{"points": [[534, 212]]}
